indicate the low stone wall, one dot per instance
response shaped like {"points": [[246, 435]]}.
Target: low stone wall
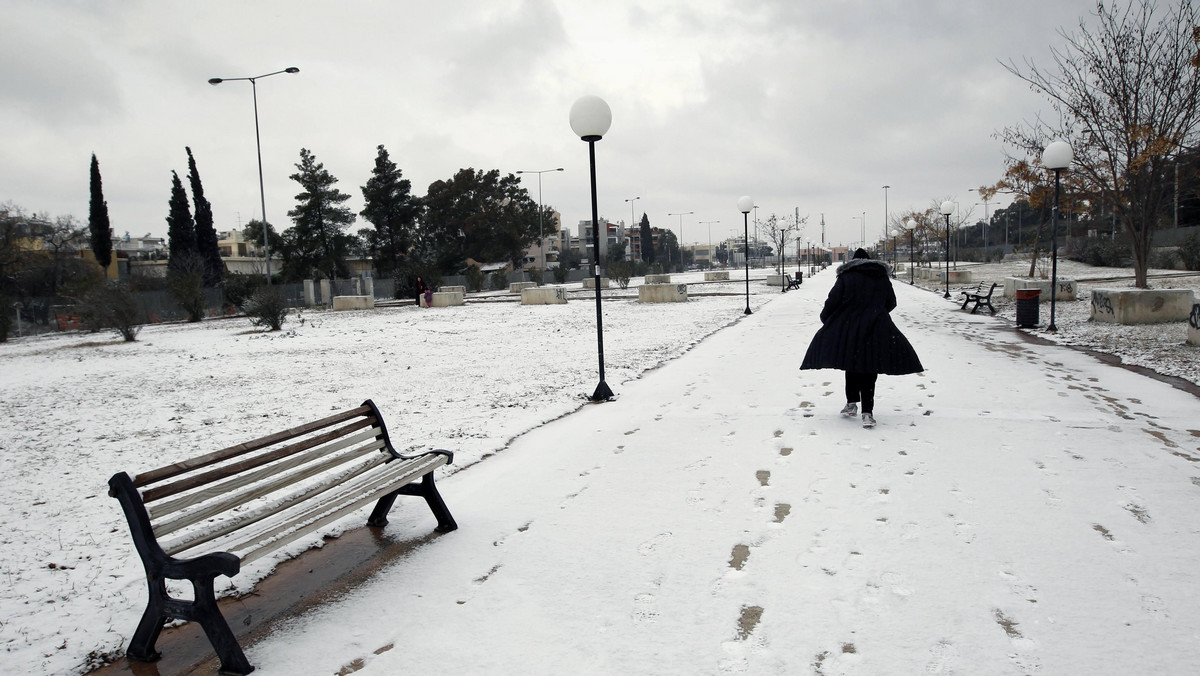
{"points": [[662, 293], [721, 276], [775, 281], [448, 298], [1142, 306], [658, 279], [353, 302], [590, 282], [544, 295], [1194, 325], [1068, 289], [518, 287], [451, 289]]}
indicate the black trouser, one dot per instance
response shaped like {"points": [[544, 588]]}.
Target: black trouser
{"points": [[861, 386]]}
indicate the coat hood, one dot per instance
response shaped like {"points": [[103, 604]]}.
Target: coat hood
{"points": [[866, 266]]}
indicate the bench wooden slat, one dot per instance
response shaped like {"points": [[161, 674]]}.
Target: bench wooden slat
{"points": [[277, 506], [154, 475], [163, 509], [268, 547], [188, 483], [237, 499]]}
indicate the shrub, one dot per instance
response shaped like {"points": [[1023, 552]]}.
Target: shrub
{"points": [[499, 280], [267, 307], [1189, 251], [621, 272], [185, 285], [239, 288], [112, 306], [1105, 253], [1163, 259], [560, 274], [474, 278], [535, 275]]}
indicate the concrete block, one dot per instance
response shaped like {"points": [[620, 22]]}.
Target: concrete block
{"points": [[1143, 306], [353, 302], [448, 298], [1194, 325], [662, 293], [775, 281], [1068, 289], [518, 287], [451, 289], [590, 282], [721, 276], [544, 295], [960, 276], [658, 279]]}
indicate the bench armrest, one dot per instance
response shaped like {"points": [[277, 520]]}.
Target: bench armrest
{"points": [[202, 567]]}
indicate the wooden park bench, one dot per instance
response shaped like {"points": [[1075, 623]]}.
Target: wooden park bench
{"points": [[977, 296], [793, 282], [207, 516]]}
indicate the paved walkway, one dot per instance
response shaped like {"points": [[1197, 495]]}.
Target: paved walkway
{"points": [[1020, 508]]}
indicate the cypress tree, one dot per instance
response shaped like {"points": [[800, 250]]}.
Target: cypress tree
{"points": [[206, 234], [181, 230], [98, 225], [647, 240], [389, 206]]}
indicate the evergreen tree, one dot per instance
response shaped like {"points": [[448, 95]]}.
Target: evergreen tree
{"points": [[647, 240], [206, 234], [181, 231], [98, 225], [316, 244], [389, 206], [479, 215]]}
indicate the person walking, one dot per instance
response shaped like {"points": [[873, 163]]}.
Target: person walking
{"points": [[857, 334]]}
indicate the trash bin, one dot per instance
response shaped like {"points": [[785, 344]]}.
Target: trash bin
{"points": [[1027, 308]]}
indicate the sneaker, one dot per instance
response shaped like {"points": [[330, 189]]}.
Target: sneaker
{"points": [[850, 410], [868, 420]]}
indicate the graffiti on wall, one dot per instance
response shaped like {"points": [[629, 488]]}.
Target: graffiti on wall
{"points": [[1102, 303]]}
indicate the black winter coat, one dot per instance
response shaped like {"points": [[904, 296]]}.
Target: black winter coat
{"points": [[857, 333]]}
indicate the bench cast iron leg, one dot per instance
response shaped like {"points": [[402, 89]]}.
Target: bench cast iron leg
{"points": [[233, 660], [141, 646], [425, 489]]}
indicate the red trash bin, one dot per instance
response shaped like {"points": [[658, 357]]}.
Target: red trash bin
{"points": [[1027, 307]]}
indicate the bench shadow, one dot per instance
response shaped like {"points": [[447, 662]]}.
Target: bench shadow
{"points": [[316, 576]]}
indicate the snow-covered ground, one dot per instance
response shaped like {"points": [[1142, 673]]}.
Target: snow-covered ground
{"points": [[1020, 506]]}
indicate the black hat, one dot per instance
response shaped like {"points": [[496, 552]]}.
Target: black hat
{"points": [[861, 253]]}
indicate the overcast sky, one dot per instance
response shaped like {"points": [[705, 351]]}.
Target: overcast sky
{"points": [[801, 104]]}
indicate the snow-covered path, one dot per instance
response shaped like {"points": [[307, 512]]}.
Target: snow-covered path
{"points": [[1020, 508]]}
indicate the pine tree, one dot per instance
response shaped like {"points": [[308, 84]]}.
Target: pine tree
{"points": [[98, 225], [206, 234], [181, 231], [647, 240], [317, 243], [390, 207]]}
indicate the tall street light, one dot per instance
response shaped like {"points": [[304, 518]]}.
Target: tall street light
{"points": [[910, 225], [885, 212], [258, 144], [541, 238], [947, 209], [590, 119], [710, 249], [745, 204], [682, 259], [1057, 156]]}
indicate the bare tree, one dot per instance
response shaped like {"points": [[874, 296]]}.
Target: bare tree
{"points": [[1126, 92]]}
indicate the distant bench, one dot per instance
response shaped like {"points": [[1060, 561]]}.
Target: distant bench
{"points": [[232, 506], [977, 296]]}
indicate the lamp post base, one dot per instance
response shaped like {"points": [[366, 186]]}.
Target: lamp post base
{"points": [[748, 312], [602, 393]]}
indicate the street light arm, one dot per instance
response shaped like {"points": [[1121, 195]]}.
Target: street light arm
{"points": [[219, 80]]}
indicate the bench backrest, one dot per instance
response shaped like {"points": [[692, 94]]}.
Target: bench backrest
{"points": [[257, 496]]}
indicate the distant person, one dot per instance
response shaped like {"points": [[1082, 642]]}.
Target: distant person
{"points": [[857, 334], [422, 290]]}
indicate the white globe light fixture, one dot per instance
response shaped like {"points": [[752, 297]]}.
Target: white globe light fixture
{"points": [[1057, 156], [745, 204], [590, 119]]}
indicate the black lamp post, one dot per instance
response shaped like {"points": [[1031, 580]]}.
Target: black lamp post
{"points": [[947, 209], [590, 120], [910, 225], [745, 204], [258, 144], [1057, 156]]}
